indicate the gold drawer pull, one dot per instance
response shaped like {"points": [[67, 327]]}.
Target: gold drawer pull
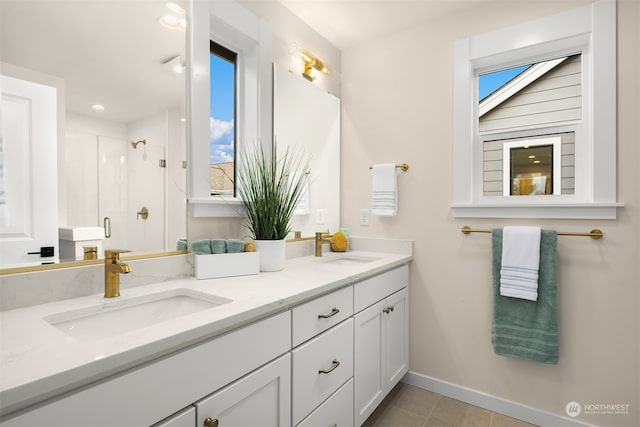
{"points": [[334, 365], [211, 423], [334, 311]]}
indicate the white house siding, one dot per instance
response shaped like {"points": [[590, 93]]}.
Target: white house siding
{"points": [[493, 170], [555, 97]]}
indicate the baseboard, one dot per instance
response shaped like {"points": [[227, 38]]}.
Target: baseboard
{"points": [[492, 403]]}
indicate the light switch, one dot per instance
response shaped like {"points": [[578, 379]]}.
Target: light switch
{"points": [[364, 216]]}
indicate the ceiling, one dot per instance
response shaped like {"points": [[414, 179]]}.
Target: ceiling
{"points": [[108, 52], [349, 23], [111, 52]]}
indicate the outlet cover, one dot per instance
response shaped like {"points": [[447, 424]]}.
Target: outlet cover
{"points": [[364, 216]]}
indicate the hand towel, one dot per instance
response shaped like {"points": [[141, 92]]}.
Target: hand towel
{"points": [[201, 247], [234, 246], [181, 244], [218, 246], [302, 207], [520, 261], [384, 197], [523, 328]]}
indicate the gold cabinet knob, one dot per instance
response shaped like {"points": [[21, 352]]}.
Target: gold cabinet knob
{"points": [[211, 422]]}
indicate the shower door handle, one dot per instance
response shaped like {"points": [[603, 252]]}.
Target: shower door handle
{"points": [[106, 222]]}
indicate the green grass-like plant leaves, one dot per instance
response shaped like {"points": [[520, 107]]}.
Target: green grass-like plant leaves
{"points": [[269, 187]]}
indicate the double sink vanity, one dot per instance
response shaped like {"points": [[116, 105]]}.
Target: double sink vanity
{"points": [[318, 343]]}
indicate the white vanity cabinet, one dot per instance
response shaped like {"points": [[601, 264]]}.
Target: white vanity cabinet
{"points": [[145, 395], [262, 398], [381, 338], [322, 362]]}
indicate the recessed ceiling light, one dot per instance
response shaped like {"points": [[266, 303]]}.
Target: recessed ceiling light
{"points": [[98, 107]]}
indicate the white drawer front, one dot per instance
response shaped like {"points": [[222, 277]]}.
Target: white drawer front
{"points": [[318, 315], [335, 411], [372, 290], [331, 352]]}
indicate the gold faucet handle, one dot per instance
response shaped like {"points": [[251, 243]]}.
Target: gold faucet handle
{"points": [[114, 254]]}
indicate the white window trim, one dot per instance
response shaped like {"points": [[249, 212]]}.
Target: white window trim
{"points": [[230, 24], [591, 30]]}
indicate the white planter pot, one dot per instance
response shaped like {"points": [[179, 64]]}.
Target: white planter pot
{"points": [[272, 254]]}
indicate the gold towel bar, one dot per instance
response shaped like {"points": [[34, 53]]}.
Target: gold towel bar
{"points": [[403, 166], [594, 234]]}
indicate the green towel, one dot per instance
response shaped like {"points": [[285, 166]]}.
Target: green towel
{"points": [[522, 328], [234, 246], [181, 244], [218, 246], [201, 247]]}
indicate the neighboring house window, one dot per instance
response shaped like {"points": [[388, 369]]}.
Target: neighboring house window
{"points": [[540, 106], [223, 119], [558, 103]]}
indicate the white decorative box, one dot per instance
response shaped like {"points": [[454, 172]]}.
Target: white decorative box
{"points": [[227, 265]]}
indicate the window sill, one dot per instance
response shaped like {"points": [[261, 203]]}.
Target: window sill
{"points": [[215, 207], [538, 211]]}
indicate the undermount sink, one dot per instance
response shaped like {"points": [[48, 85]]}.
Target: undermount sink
{"points": [[348, 259], [125, 315]]}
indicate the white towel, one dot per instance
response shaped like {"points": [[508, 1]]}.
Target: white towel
{"points": [[520, 262], [302, 207], [384, 197]]}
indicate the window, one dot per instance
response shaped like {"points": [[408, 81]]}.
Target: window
{"points": [[539, 105], [223, 118], [559, 96], [231, 25]]}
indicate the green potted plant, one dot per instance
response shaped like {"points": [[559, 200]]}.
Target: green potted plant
{"points": [[269, 187]]}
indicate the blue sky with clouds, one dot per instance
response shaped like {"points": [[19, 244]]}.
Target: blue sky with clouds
{"points": [[221, 128]]}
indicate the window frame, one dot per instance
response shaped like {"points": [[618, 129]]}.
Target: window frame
{"points": [[235, 27], [589, 30], [231, 57]]}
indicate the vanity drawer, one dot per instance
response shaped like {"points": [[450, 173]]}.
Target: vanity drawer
{"points": [[370, 291], [318, 315], [331, 353], [335, 411]]}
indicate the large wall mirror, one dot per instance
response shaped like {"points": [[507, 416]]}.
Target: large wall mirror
{"points": [[121, 167], [308, 117]]}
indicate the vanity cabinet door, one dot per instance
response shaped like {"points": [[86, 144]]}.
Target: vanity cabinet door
{"points": [[262, 398], [368, 361], [381, 351], [397, 338]]}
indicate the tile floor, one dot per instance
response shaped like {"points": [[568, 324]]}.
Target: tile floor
{"points": [[409, 406]]}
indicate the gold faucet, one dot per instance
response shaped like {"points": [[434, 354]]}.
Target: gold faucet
{"points": [[322, 238], [112, 270]]}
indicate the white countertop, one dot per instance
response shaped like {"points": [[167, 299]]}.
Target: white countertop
{"points": [[38, 361]]}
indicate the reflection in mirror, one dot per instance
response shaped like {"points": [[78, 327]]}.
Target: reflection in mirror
{"points": [[308, 117], [223, 86], [122, 83]]}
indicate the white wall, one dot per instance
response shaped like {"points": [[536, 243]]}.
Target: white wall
{"points": [[401, 111]]}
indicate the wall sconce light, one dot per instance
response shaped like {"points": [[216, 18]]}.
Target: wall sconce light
{"points": [[310, 64]]}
